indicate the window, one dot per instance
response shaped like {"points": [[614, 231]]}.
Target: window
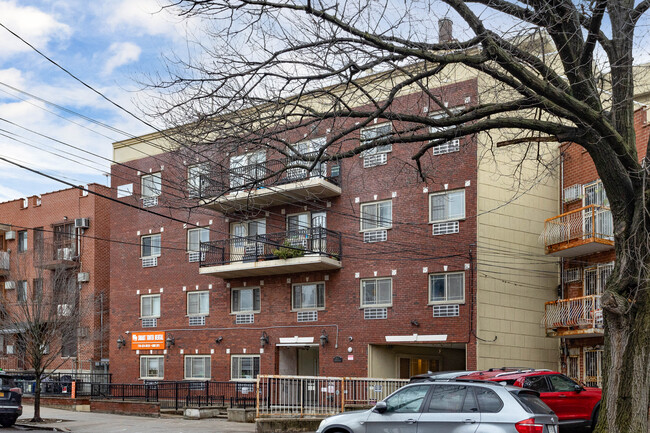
{"points": [[407, 400], [150, 306], [195, 237], [306, 148], [21, 291], [377, 215], [197, 179], [151, 246], [447, 398], [65, 241], [152, 367], [447, 287], [198, 303], [151, 185], [561, 383], [488, 401], [450, 146], [246, 169], [537, 383], [37, 294], [246, 300], [376, 135], [22, 241], [445, 206], [197, 367], [38, 242], [595, 278], [376, 292], [69, 346], [244, 367], [308, 296]]}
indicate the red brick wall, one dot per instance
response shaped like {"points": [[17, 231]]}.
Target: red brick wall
{"points": [[410, 248], [55, 208], [125, 407]]}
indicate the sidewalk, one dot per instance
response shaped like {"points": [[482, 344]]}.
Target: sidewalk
{"points": [[89, 422]]}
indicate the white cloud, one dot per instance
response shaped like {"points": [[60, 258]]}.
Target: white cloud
{"points": [[121, 53], [32, 24], [146, 17]]}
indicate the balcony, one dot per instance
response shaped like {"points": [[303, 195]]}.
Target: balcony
{"points": [[580, 232], [574, 318], [305, 250], [266, 184], [4, 263], [61, 254]]}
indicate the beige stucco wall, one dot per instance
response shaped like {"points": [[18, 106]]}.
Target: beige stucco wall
{"points": [[515, 194]]}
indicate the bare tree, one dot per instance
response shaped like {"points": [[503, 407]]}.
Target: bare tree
{"points": [[560, 71], [44, 315]]}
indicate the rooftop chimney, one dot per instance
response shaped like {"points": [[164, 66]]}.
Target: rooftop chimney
{"points": [[445, 30]]}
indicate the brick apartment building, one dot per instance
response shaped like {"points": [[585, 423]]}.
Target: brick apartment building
{"points": [[582, 237], [287, 278], [57, 241]]}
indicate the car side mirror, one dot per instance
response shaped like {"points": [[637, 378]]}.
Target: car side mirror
{"points": [[577, 388], [380, 407]]}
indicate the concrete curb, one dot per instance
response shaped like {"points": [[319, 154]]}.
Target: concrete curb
{"points": [[42, 427]]}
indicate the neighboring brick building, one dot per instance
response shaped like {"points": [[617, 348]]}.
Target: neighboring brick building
{"points": [[582, 236], [412, 287], [58, 241]]}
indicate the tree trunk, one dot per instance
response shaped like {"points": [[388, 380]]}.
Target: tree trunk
{"points": [[37, 400], [626, 369]]}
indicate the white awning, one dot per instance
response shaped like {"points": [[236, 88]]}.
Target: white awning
{"points": [[296, 339], [416, 338]]}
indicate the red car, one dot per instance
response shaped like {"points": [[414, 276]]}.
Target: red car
{"points": [[574, 404]]}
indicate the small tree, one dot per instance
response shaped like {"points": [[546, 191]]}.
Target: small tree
{"points": [[44, 315]]}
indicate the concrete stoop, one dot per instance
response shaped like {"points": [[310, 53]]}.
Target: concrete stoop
{"points": [[286, 425], [206, 412]]}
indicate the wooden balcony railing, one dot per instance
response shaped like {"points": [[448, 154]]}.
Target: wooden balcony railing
{"points": [[588, 224]]}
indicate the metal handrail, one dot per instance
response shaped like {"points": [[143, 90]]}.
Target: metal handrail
{"points": [[584, 311], [588, 222]]}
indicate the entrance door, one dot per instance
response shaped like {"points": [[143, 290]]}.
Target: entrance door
{"points": [[243, 242], [319, 221]]}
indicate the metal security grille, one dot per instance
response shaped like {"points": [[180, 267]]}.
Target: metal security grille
{"points": [[197, 320], [448, 147], [573, 274], [244, 318], [593, 367], [149, 262], [307, 316], [445, 228], [446, 310], [374, 160], [150, 323], [375, 236], [596, 278], [196, 256], [375, 313], [573, 192], [572, 368]]}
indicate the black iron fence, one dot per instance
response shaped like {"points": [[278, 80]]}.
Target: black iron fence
{"points": [[170, 395], [272, 246], [265, 174]]}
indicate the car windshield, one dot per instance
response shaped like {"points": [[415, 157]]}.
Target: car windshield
{"points": [[532, 403]]}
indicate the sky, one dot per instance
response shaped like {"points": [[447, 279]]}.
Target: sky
{"points": [[110, 45]]}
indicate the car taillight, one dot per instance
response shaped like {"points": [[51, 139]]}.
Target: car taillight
{"points": [[17, 390], [529, 426]]}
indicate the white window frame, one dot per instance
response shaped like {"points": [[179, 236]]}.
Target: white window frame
{"points": [[376, 149], [446, 300], [200, 294], [378, 223], [156, 193], [201, 231], [161, 369], [232, 301], [449, 218], [151, 247], [377, 305], [301, 308], [238, 376], [153, 313], [207, 368], [239, 180], [195, 175]]}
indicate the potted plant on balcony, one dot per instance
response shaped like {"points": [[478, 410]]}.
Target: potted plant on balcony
{"points": [[287, 251]]}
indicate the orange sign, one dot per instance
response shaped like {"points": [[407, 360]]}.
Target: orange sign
{"points": [[148, 340]]}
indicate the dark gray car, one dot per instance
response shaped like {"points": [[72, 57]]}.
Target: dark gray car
{"points": [[450, 406]]}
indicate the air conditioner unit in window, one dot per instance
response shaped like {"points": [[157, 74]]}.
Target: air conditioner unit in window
{"points": [[10, 235], [10, 285], [82, 223], [83, 277]]}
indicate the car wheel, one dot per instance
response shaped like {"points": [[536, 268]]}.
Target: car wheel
{"points": [[594, 420], [7, 422]]}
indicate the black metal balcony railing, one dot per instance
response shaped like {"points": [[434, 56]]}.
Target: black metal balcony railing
{"points": [[272, 246], [264, 174]]}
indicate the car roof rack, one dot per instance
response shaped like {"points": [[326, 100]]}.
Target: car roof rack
{"points": [[510, 368], [529, 370], [481, 381]]}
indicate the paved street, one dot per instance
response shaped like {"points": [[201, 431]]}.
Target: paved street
{"points": [[85, 422]]}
